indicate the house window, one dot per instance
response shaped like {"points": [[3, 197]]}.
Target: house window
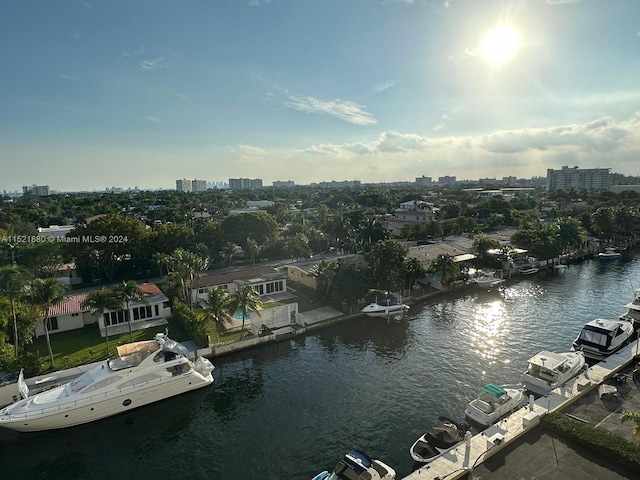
{"points": [[52, 323], [74, 314], [260, 289], [157, 310]]}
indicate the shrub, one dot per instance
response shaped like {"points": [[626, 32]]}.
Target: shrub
{"points": [[187, 318], [602, 442]]}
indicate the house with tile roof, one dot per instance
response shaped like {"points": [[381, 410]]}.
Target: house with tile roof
{"points": [[70, 314]]}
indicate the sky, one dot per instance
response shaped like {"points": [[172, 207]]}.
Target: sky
{"points": [[124, 93]]}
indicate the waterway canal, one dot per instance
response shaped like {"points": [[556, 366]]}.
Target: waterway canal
{"points": [[290, 410]]}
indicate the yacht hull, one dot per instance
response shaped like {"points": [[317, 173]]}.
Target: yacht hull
{"points": [[96, 407]]}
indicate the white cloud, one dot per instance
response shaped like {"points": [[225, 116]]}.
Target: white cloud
{"points": [[150, 118], [344, 110], [381, 87], [248, 151], [257, 3], [154, 64]]}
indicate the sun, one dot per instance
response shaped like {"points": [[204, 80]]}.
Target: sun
{"points": [[500, 44]]}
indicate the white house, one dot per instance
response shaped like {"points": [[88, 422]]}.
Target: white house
{"points": [[71, 315], [266, 280]]}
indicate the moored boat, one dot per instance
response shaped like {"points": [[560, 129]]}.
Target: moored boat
{"points": [[385, 308], [487, 280], [358, 465], [633, 310], [438, 440], [493, 403], [600, 338], [142, 373], [610, 253], [548, 370]]}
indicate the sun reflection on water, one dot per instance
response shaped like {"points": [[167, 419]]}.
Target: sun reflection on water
{"points": [[488, 326]]}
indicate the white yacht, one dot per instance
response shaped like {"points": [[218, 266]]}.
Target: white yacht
{"points": [[493, 403], [358, 465], [633, 309], [600, 338], [144, 372], [548, 370]]}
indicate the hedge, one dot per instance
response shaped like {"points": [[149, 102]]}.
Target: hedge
{"points": [[600, 441], [196, 330]]}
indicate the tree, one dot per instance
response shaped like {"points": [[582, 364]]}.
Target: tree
{"points": [[219, 306], [323, 272], [445, 265], [570, 232], [413, 269], [602, 223], [247, 300], [102, 247], [128, 292], [100, 302], [228, 252], [635, 418], [12, 283], [44, 294], [482, 244], [186, 267], [260, 226], [386, 264]]}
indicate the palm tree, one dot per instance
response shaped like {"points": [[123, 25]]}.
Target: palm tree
{"points": [[129, 292], [247, 300], [185, 267], [12, 282], [219, 306], [228, 251], [445, 265], [570, 232], [44, 294], [100, 302], [324, 273]]}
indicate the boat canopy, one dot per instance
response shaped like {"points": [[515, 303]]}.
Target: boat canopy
{"points": [[358, 461], [495, 390], [22, 385], [174, 347], [444, 435]]}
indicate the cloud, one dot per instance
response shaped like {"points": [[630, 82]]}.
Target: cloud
{"points": [[69, 78], [560, 2], [344, 110], [154, 64], [248, 151], [601, 135], [524, 152], [150, 118], [257, 3], [381, 87]]}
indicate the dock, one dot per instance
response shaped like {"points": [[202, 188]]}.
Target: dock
{"points": [[472, 453]]}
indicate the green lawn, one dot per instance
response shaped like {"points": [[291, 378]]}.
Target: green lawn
{"points": [[85, 345]]}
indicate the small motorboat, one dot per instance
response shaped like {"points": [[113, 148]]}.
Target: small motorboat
{"points": [[528, 270], [548, 370], [633, 312], [439, 439], [387, 307], [600, 338], [487, 280], [495, 402], [358, 465], [610, 253]]}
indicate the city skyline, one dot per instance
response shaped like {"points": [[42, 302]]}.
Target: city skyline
{"points": [[112, 93]]}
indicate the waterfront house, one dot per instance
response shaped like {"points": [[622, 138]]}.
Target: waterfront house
{"points": [[70, 314]]}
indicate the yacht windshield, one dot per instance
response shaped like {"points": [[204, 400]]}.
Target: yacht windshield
{"points": [[81, 382]]}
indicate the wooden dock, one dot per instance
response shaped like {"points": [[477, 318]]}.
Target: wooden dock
{"points": [[478, 448]]}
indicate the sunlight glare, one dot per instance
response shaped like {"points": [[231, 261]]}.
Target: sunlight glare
{"points": [[500, 44]]}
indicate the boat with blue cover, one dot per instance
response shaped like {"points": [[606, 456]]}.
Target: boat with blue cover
{"points": [[357, 465]]}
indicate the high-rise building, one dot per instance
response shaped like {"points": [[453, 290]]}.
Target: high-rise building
{"points": [[242, 183], [424, 181], [184, 185], [199, 186], [283, 183], [36, 190], [578, 178], [446, 180]]}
